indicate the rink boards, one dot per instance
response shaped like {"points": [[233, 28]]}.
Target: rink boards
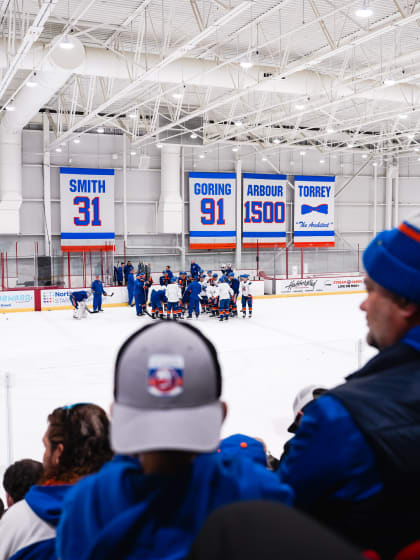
{"points": [[42, 299]]}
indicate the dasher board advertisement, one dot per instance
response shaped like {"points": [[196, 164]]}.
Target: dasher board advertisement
{"points": [[87, 209], [264, 210], [212, 210], [314, 211]]}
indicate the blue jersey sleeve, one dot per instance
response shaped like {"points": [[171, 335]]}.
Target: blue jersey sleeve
{"points": [[329, 456]]}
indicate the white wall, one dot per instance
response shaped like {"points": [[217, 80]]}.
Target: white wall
{"points": [[354, 208]]}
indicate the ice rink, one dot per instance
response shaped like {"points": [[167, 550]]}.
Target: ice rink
{"points": [[54, 360]]}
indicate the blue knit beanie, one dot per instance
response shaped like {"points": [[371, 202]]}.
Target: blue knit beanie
{"points": [[240, 444], [392, 259]]}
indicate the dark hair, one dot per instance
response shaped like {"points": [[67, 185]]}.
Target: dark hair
{"points": [[20, 476], [1, 508], [83, 430]]}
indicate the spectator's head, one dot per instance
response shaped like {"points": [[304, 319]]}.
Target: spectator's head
{"points": [[392, 263], [167, 389], [168, 267], [97, 277], [122, 264], [245, 446], [19, 477], [76, 442], [302, 399], [128, 262]]}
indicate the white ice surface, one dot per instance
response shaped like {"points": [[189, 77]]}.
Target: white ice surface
{"points": [[289, 343]]}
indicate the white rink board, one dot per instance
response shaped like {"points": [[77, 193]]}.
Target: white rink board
{"points": [[17, 300], [319, 285]]}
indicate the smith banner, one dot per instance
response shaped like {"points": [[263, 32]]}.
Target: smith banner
{"points": [[212, 210], [87, 209], [264, 210], [314, 211]]}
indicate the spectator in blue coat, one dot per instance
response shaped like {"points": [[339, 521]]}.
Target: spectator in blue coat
{"points": [[169, 273], [151, 501], [76, 444], [354, 460], [127, 269], [98, 291], [120, 274], [195, 269], [192, 295], [130, 288]]}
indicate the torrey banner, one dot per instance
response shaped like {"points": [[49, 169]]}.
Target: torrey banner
{"points": [[264, 210], [87, 209], [212, 210], [314, 211]]}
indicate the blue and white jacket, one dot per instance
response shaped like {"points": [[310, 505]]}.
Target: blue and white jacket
{"points": [[28, 528]]}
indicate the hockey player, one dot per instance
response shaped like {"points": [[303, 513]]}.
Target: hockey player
{"points": [[229, 270], [225, 293], [139, 297], [157, 298], [195, 269], [79, 302], [193, 292], [173, 293], [204, 297], [130, 288], [98, 291], [245, 290], [212, 293], [234, 284], [169, 273]]}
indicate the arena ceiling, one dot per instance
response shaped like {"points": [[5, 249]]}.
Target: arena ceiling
{"points": [[310, 74]]}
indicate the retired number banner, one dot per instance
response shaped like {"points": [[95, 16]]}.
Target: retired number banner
{"points": [[314, 211], [212, 210], [264, 210], [87, 209]]}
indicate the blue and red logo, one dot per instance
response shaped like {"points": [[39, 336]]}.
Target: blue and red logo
{"points": [[166, 375]]}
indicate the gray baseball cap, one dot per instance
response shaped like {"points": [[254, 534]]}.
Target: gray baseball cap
{"points": [[167, 391]]}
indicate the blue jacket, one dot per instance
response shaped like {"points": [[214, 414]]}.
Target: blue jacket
{"points": [[130, 282], [195, 269], [361, 442], [122, 513], [79, 296], [157, 296], [235, 285], [194, 289], [97, 287], [139, 289], [127, 269], [120, 274], [169, 274], [28, 530]]}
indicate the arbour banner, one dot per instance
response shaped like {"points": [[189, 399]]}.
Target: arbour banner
{"points": [[314, 211], [212, 210], [87, 209], [264, 210]]}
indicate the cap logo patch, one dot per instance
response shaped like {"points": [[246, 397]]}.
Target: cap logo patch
{"points": [[165, 375]]}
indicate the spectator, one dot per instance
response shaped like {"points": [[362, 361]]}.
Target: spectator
{"points": [[19, 477], [266, 530], [354, 461], [244, 445], [76, 444], [120, 274], [169, 272], [127, 269], [166, 424]]}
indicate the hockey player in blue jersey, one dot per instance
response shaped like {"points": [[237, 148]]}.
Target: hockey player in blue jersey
{"points": [[139, 296], [245, 290], [195, 269], [193, 292], [234, 284], [79, 301], [157, 298], [130, 288], [98, 291]]}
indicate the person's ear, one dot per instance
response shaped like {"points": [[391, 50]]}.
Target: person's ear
{"points": [[58, 451], [225, 410]]}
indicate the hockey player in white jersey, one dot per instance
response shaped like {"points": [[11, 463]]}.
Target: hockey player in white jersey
{"points": [[174, 296], [225, 293], [246, 293]]}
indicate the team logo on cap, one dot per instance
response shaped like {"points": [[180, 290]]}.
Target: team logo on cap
{"points": [[166, 375]]}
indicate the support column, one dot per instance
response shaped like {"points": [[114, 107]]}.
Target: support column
{"points": [[375, 200], [47, 185], [396, 195], [238, 254], [125, 224], [10, 180], [388, 196], [183, 259], [170, 201]]}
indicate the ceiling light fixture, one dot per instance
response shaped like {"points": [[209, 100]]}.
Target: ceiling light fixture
{"points": [[364, 156], [276, 141], [201, 156], [193, 135], [59, 150], [389, 82], [246, 64], [416, 149], [264, 159], [235, 149], [238, 123], [374, 164], [30, 83], [100, 130], [365, 11], [350, 145], [10, 107], [159, 145], [402, 116], [66, 43], [322, 161], [330, 131], [177, 95], [302, 153], [133, 153], [300, 106], [132, 115], [76, 140]]}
